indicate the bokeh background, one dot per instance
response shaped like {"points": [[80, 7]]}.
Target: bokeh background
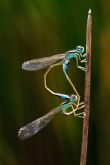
{"points": [[38, 28]]}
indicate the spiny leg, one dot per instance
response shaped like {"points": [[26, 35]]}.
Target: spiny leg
{"points": [[81, 61], [84, 58], [81, 105], [81, 114]]}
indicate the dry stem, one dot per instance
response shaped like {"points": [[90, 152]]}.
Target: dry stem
{"points": [[87, 91]]}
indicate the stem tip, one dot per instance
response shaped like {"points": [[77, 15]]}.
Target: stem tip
{"points": [[89, 12]]}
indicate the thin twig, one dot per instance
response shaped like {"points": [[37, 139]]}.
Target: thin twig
{"points": [[87, 91]]}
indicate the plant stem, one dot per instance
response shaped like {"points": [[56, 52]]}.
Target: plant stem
{"points": [[87, 91]]}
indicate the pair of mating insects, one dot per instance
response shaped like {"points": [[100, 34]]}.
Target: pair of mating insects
{"points": [[72, 101]]}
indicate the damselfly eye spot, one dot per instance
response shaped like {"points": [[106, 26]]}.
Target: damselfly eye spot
{"points": [[80, 49], [73, 98]]}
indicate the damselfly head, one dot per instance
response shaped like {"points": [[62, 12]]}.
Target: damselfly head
{"points": [[80, 49], [73, 98]]}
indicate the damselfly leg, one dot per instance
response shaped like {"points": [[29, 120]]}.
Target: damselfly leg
{"points": [[74, 110], [76, 102]]}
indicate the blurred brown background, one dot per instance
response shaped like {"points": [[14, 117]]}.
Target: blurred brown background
{"points": [[39, 28]]}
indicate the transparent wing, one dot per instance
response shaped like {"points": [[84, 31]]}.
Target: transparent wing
{"points": [[41, 63], [35, 126]]}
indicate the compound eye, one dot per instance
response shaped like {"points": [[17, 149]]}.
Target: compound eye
{"points": [[80, 49], [73, 98]]}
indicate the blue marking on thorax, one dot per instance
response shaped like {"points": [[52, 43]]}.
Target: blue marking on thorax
{"points": [[65, 105], [71, 54]]}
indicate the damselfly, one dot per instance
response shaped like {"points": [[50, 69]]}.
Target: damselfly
{"points": [[35, 126], [40, 63], [72, 101]]}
